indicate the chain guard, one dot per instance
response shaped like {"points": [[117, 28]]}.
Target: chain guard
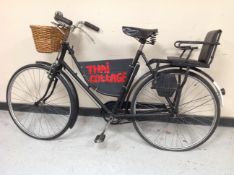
{"points": [[110, 105]]}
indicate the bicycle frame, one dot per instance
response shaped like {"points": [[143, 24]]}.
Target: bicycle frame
{"points": [[134, 67]]}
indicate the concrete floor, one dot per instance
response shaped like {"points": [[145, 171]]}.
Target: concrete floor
{"points": [[123, 152]]}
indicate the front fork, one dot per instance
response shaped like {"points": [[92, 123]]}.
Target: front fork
{"points": [[54, 69]]}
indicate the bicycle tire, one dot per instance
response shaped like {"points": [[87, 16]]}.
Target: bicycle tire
{"points": [[45, 113], [214, 122]]}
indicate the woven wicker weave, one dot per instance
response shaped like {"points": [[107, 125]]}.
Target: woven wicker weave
{"points": [[48, 39]]}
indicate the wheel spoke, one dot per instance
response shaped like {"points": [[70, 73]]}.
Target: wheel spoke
{"points": [[43, 120]]}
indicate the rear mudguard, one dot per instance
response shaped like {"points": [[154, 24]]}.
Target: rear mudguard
{"points": [[193, 69], [68, 79]]}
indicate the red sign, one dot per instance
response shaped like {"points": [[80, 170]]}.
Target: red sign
{"points": [[102, 74]]}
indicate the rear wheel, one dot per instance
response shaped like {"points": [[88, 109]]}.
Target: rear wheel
{"points": [[47, 119], [196, 120]]}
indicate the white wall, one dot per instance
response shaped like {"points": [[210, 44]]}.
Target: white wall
{"points": [[175, 19]]}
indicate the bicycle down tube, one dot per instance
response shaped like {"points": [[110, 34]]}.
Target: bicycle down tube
{"points": [[134, 67]]}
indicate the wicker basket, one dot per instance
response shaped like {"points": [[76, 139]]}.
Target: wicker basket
{"points": [[48, 39]]}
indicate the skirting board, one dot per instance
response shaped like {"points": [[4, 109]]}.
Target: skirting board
{"points": [[95, 112]]}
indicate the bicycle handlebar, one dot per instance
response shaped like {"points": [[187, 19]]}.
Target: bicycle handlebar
{"points": [[59, 17], [91, 26], [67, 23]]}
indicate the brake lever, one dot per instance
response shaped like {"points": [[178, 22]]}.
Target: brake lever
{"points": [[88, 35], [74, 27], [57, 26]]}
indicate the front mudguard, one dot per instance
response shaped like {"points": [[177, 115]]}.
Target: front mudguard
{"points": [[68, 79]]}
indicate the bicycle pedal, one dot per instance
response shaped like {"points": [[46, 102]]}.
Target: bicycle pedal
{"points": [[100, 138]]}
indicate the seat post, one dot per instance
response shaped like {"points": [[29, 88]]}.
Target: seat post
{"points": [[138, 54], [141, 47]]}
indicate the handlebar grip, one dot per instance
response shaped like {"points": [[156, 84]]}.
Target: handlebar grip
{"points": [[91, 26], [59, 17]]}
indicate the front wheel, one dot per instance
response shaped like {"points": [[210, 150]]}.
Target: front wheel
{"points": [[196, 120], [41, 119]]}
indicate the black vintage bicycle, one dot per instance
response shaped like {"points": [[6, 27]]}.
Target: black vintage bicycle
{"points": [[174, 106]]}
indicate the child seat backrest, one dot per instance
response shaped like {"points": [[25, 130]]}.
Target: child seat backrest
{"points": [[209, 47]]}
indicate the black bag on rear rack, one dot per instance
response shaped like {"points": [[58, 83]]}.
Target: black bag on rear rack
{"points": [[165, 84]]}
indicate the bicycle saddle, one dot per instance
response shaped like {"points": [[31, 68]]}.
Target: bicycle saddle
{"points": [[139, 33]]}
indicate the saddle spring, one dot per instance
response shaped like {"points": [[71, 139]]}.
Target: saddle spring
{"points": [[152, 39]]}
